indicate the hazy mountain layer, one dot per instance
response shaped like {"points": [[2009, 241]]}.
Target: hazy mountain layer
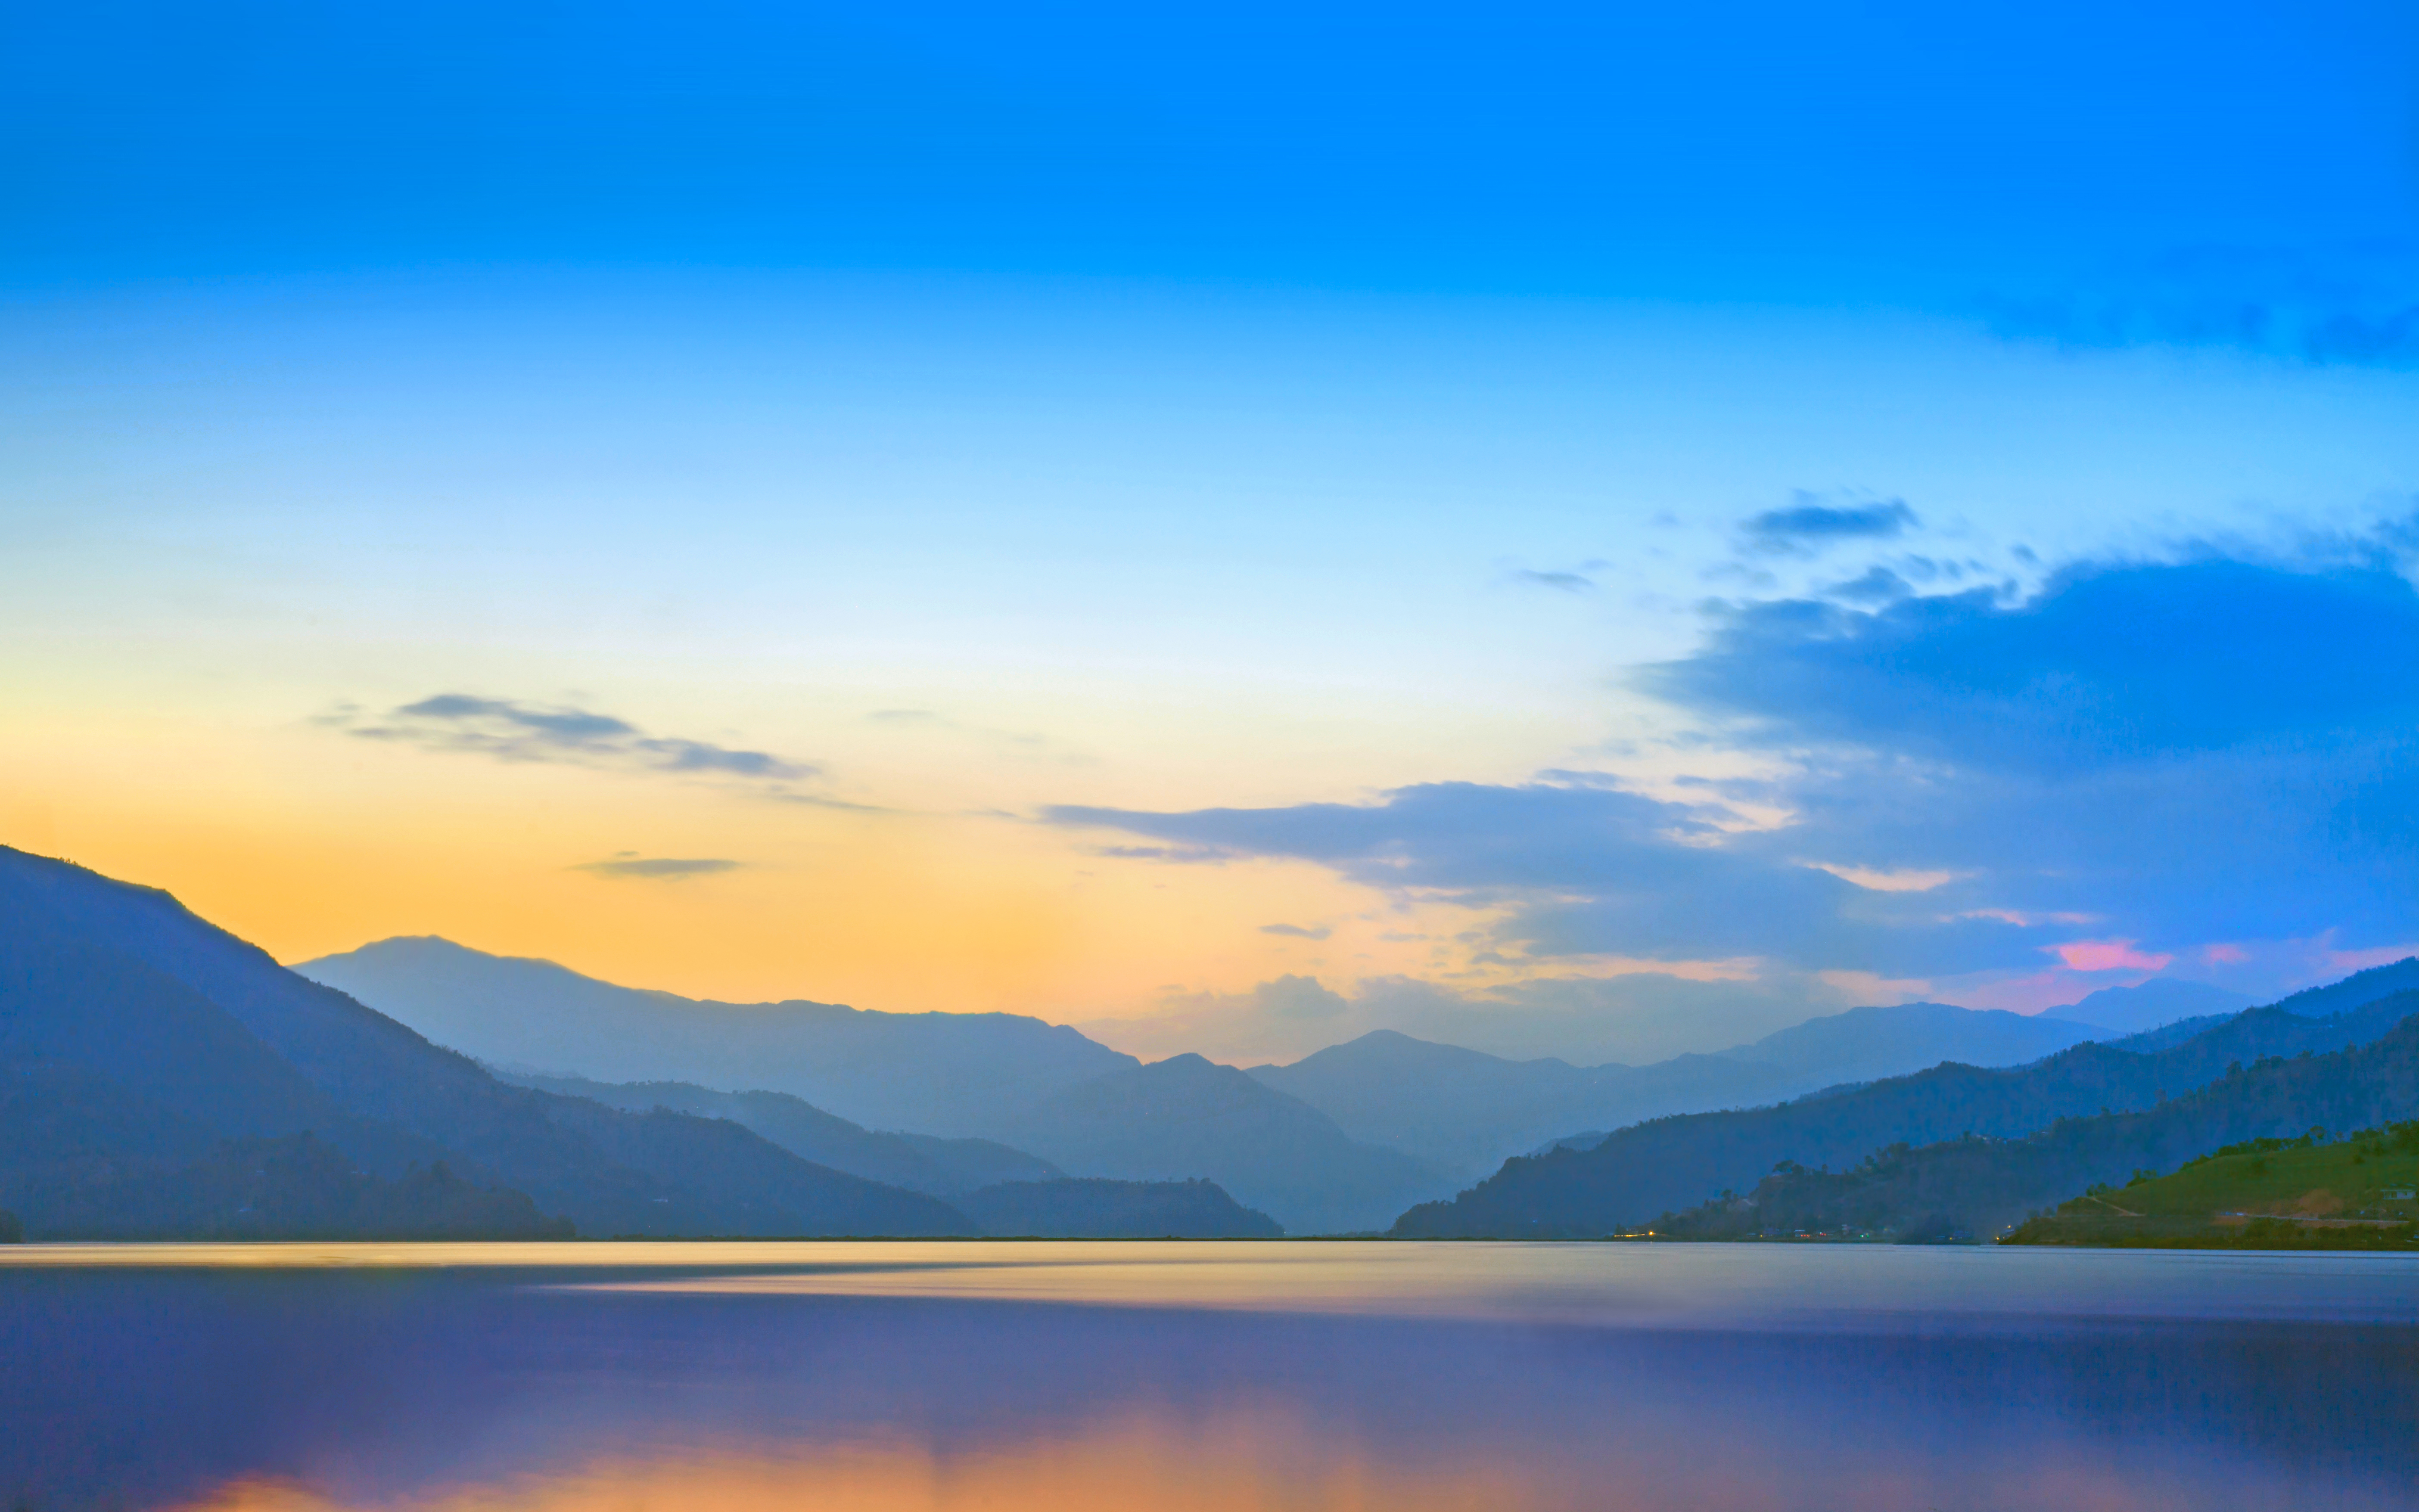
{"points": [[1187, 1117], [920, 1162], [135, 1038], [1084, 1109], [2152, 1005], [1466, 1112], [1675, 1163], [937, 1073]]}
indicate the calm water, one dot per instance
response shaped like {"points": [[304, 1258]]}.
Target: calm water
{"points": [[1005, 1377]]}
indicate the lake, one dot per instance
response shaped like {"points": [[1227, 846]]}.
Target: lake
{"points": [[1285, 1375]]}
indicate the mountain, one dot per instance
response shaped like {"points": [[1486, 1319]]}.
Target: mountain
{"points": [[1465, 1112], [940, 1073], [1092, 1208], [1976, 1187], [1672, 1164], [1187, 1117], [136, 1041], [2154, 1004], [920, 1162]]}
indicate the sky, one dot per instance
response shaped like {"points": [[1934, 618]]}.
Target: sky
{"points": [[1578, 530]]}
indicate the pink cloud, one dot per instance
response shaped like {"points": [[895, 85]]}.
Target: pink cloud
{"points": [[2224, 955], [2108, 955]]}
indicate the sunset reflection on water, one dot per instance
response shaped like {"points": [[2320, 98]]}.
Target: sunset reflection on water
{"points": [[1259, 1464], [1309, 1377]]}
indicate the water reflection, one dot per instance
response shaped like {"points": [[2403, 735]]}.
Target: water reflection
{"points": [[1229, 1377]]}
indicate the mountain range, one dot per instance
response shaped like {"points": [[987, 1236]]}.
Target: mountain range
{"points": [[813, 1076], [1455, 1112], [1677, 1163]]}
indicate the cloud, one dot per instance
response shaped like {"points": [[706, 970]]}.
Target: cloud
{"points": [[2179, 754], [656, 869], [1297, 930], [1877, 585], [514, 731], [1567, 583], [1297, 997], [1809, 524], [2107, 663]]}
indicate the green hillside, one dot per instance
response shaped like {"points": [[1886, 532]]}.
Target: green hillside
{"points": [[2264, 1194]]}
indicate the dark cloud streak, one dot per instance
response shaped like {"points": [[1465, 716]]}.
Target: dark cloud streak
{"points": [[514, 731], [656, 869], [1809, 524]]}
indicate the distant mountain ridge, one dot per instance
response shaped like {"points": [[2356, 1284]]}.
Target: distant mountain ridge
{"points": [[1675, 1163], [944, 1169], [2152, 1005], [1466, 1112], [1382, 1120], [955, 1074], [1085, 1110], [1186, 1116]]}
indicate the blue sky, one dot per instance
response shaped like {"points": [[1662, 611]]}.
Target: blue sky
{"points": [[1712, 515]]}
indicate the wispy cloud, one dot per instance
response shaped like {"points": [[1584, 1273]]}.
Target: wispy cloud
{"points": [[1565, 582], [508, 730], [1297, 930], [629, 866]]}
